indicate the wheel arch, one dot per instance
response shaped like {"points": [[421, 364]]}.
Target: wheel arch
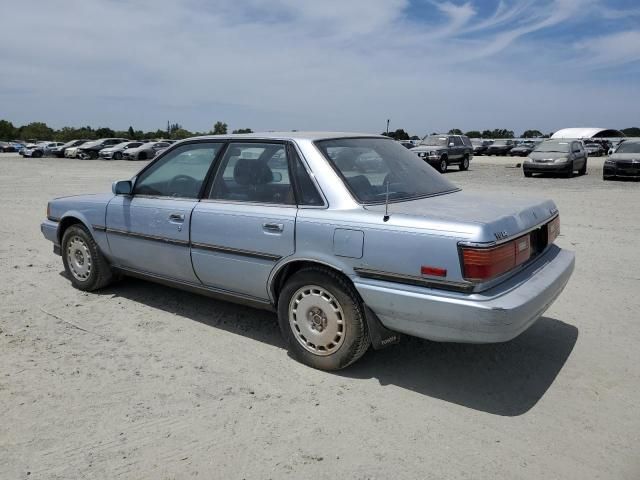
{"points": [[72, 218], [283, 272]]}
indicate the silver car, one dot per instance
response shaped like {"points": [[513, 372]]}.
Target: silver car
{"points": [[557, 156], [348, 253], [144, 151]]}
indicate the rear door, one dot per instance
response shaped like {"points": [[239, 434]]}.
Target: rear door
{"points": [[149, 230], [246, 221]]}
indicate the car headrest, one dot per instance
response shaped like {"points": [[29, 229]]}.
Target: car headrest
{"points": [[249, 171]]}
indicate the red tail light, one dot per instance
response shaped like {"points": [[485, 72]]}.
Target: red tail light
{"points": [[481, 264], [553, 229]]}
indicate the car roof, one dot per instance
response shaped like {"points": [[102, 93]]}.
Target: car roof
{"points": [[312, 136]]}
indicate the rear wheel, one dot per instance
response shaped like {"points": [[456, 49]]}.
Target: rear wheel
{"points": [[527, 174], [117, 156], [142, 156], [442, 166], [465, 163], [322, 319], [84, 263]]}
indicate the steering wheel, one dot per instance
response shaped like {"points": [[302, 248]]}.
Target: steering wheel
{"points": [[181, 184]]}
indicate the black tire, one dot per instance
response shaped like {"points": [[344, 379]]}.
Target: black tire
{"points": [[583, 170], [117, 156], [78, 242], [354, 340], [464, 165], [142, 156], [569, 172], [443, 164], [528, 174], [37, 154]]}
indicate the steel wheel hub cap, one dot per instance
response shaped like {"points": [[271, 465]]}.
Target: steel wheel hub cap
{"points": [[79, 258], [317, 320]]}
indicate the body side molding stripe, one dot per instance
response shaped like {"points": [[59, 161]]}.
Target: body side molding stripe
{"points": [[411, 280], [236, 251], [184, 243]]}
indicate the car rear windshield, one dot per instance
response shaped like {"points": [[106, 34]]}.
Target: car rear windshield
{"points": [[629, 147], [370, 166]]}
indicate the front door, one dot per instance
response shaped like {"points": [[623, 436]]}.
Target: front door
{"points": [[246, 222], [148, 231]]}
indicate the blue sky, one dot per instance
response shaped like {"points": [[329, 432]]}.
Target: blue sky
{"points": [[427, 65]]}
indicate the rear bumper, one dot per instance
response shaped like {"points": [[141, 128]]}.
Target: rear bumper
{"points": [[496, 315]]}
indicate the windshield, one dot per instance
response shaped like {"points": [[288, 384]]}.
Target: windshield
{"points": [[629, 147], [371, 165], [558, 147], [439, 140], [502, 142]]}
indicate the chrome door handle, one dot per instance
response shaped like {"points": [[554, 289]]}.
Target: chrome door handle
{"points": [[273, 227], [176, 217]]}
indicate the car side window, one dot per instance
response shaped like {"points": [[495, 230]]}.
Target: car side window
{"points": [[457, 141], [254, 173], [180, 173], [307, 192]]}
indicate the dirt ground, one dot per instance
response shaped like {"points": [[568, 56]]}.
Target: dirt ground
{"points": [[142, 381]]}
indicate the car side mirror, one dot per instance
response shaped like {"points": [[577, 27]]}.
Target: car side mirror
{"points": [[122, 187]]}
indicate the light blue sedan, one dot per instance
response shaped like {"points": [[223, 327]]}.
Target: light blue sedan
{"points": [[351, 238]]}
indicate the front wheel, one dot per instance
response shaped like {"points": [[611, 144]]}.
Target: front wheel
{"points": [[442, 166], [117, 156], [583, 169], [84, 263], [527, 174], [322, 319], [569, 172], [465, 163]]}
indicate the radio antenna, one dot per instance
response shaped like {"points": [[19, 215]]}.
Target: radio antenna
{"points": [[386, 205]]}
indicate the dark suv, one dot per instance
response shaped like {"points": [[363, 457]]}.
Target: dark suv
{"points": [[440, 151]]}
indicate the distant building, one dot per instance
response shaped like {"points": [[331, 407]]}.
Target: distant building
{"points": [[588, 133]]}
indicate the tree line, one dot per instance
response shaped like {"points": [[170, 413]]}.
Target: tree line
{"points": [[175, 131], [41, 131]]}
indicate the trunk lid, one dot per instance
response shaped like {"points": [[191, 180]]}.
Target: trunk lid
{"points": [[496, 217]]}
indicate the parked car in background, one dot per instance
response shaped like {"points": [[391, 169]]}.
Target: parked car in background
{"points": [[594, 149], [15, 146], [624, 161], [407, 143], [523, 149], [6, 147], [500, 147], [557, 156], [146, 151], [90, 150], [60, 150], [285, 228], [440, 151], [40, 149], [480, 146], [116, 151]]}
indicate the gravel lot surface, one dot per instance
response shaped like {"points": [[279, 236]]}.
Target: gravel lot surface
{"points": [[143, 381]]}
